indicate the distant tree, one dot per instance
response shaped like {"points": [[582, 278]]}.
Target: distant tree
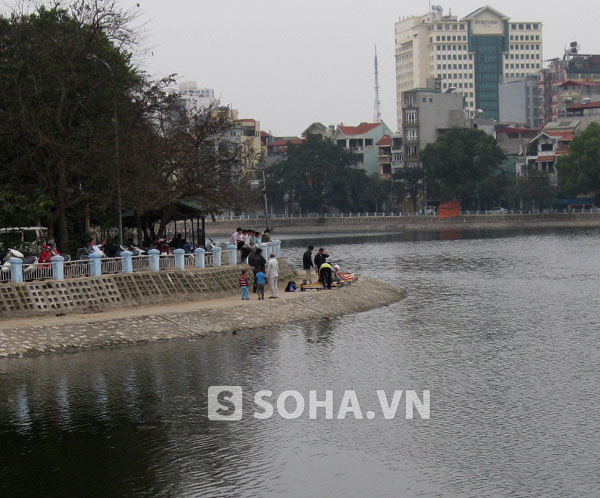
{"points": [[460, 163], [579, 170], [199, 162], [319, 173], [407, 183]]}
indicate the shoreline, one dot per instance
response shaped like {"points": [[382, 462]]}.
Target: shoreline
{"points": [[399, 224], [21, 337]]}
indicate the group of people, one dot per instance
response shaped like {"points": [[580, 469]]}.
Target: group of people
{"points": [[248, 242], [326, 274]]}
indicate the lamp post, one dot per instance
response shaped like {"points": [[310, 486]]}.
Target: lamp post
{"points": [[116, 125], [266, 206]]}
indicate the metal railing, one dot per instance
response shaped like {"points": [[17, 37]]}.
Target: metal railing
{"points": [[140, 263], [77, 268], [112, 265]]}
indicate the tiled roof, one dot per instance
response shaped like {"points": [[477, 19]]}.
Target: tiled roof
{"points": [[545, 159], [286, 141], [589, 105], [384, 141], [580, 83], [265, 134], [565, 135], [510, 129], [361, 129]]}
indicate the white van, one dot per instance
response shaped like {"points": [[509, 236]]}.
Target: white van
{"points": [[28, 240]]}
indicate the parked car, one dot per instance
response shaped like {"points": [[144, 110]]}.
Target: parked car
{"points": [[499, 210], [428, 210]]}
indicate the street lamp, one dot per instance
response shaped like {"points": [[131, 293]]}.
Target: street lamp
{"points": [[266, 206], [116, 124]]}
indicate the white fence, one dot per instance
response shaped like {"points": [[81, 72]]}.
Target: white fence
{"points": [[17, 272]]}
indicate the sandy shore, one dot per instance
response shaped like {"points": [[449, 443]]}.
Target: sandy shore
{"points": [[75, 332]]}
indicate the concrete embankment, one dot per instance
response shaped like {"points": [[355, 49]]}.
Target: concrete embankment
{"points": [[76, 332], [367, 224]]}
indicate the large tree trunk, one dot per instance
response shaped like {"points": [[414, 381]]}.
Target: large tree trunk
{"points": [[166, 218], [63, 230], [140, 228]]}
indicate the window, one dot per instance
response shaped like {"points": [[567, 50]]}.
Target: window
{"points": [[520, 26], [368, 141], [528, 26], [535, 26], [410, 116]]}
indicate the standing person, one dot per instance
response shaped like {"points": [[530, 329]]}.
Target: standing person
{"points": [[244, 286], [258, 263], [272, 274], [266, 236], [320, 258], [235, 236], [307, 263], [260, 280]]}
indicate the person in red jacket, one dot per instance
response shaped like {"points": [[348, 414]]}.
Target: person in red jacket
{"points": [[244, 286]]}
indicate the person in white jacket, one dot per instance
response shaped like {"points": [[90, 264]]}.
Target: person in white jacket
{"points": [[272, 271]]}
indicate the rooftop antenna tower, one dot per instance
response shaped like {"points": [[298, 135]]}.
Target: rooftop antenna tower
{"points": [[377, 113]]}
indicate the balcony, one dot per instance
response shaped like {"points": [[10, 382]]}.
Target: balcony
{"points": [[411, 140]]}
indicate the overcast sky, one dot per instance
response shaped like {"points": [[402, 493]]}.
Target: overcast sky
{"points": [[288, 63]]}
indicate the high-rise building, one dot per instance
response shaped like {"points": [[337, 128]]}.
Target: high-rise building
{"points": [[194, 97], [470, 56]]}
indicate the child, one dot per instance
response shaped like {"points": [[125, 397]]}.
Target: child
{"points": [[261, 280], [244, 286]]}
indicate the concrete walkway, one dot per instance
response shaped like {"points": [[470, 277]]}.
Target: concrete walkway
{"points": [[35, 335]]}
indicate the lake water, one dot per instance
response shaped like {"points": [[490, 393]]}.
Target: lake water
{"points": [[501, 326]]}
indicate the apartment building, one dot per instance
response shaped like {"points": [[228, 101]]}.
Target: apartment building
{"points": [[427, 113], [471, 55], [557, 83], [519, 102], [362, 141]]}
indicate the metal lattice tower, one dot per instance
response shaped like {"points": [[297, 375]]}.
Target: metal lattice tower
{"points": [[377, 113]]}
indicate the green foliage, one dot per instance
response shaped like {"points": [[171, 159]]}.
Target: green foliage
{"points": [[23, 209], [579, 170], [462, 164], [77, 119], [56, 114], [408, 183], [317, 174]]}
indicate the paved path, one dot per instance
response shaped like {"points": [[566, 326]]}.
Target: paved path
{"points": [[27, 336]]}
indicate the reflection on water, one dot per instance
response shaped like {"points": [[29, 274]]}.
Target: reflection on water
{"points": [[502, 330]]}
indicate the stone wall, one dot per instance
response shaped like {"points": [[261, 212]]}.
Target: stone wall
{"points": [[121, 290]]}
